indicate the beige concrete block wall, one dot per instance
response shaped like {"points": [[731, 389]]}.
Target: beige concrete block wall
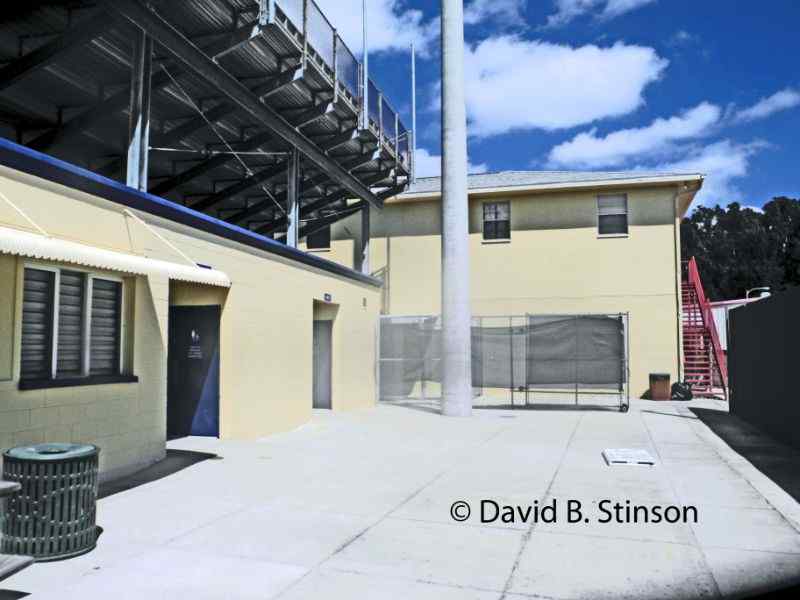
{"points": [[555, 263], [127, 421], [266, 334]]}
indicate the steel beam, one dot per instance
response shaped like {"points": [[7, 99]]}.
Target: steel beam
{"points": [[309, 183], [139, 122], [204, 67], [45, 55], [293, 199], [312, 114], [108, 107], [338, 140], [319, 224], [209, 164], [320, 203], [364, 267], [273, 85], [240, 187]]}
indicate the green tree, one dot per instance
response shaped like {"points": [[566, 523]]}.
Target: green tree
{"points": [[738, 248]]}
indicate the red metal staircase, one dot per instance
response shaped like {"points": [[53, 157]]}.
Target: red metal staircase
{"points": [[704, 363]]}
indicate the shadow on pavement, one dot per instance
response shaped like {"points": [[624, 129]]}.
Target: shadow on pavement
{"points": [[175, 461], [548, 407], [775, 460]]}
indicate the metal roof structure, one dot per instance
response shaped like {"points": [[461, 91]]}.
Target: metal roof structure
{"points": [[250, 111], [547, 179]]}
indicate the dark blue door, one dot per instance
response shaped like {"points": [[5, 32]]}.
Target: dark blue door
{"points": [[193, 374]]}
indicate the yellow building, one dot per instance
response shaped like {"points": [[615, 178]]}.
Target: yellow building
{"points": [[545, 243], [125, 318], [96, 277]]}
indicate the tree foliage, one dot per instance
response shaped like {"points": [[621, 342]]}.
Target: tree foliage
{"points": [[738, 248]]}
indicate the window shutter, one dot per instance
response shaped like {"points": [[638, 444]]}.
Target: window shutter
{"points": [[612, 214], [104, 345], [37, 324], [612, 205], [70, 324]]}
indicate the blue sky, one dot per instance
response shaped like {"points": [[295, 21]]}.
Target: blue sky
{"points": [[676, 85]]}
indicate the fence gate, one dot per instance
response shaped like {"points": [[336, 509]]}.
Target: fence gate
{"points": [[517, 361]]}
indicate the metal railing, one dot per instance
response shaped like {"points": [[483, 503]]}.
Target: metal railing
{"points": [[293, 9], [693, 276], [374, 111], [389, 122], [347, 68], [321, 36]]}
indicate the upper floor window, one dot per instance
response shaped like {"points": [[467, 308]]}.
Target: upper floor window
{"points": [[319, 240], [612, 214], [496, 221], [71, 324]]}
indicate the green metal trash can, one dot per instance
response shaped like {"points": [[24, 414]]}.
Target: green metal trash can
{"points": [[53, 516]]}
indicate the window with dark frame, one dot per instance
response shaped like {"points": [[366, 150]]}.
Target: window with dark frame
{"points": [[612, 214], [71, 325], [496, 221], [319, 240]]}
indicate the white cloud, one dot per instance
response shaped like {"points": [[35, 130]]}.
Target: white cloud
{"points": [[682, 38], [430, 165], [722, 162], [782, 100], [567, 10], [505, 11], [391, 26], [518, 84], [587, 150]]}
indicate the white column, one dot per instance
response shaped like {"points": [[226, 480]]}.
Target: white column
{"points": [[456, 314], [365, 266], [139, 123], [293, 199]]}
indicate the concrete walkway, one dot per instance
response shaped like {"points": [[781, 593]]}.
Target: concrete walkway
{"points": [[358, 506]]}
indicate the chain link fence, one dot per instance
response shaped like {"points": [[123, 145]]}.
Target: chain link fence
{"points": [[517, 361]]}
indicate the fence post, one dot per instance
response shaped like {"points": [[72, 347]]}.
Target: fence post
{"points": [[305, 33], [335, 66], [380, 119], [396, 142]]}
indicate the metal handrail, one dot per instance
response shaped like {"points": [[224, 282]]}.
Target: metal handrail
{"points": [[693, 277], [309, 19]]}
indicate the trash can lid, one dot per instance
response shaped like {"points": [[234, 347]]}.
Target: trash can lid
{"points": [[51, 452]]}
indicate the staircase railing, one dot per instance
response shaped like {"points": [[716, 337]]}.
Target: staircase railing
{"points": [[693, 277]]}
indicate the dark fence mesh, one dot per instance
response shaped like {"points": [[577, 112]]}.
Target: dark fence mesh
{"points": [[511, 355]]}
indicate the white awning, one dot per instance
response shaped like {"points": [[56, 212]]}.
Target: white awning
{"points": [[34, 245]]}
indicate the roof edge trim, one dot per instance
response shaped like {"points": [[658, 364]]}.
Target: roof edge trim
{"points": [[44, 166]]}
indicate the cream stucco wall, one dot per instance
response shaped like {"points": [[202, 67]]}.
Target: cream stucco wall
{"points": [[266, 333], [555, 263]]}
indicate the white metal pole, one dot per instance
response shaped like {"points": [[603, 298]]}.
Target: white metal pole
{"points": [[413, 113], [365, 65], [456, 314]]}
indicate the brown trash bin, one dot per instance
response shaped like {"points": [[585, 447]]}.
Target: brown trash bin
{"points": [[659, 386]]}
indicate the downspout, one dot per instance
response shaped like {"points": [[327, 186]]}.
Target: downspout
{"points": [[678, 282]]}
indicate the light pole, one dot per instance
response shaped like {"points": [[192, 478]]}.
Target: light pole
{"points": [[456, 314]]}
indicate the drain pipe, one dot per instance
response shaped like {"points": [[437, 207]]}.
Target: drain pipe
{"points": [[456, 316]]}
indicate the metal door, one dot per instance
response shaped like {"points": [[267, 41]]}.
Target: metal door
{"points": [[193, 371], [323, 334]]}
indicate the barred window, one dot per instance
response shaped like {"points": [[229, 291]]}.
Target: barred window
{"points": [[496, 221], [612, 215], [71, 324]]}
